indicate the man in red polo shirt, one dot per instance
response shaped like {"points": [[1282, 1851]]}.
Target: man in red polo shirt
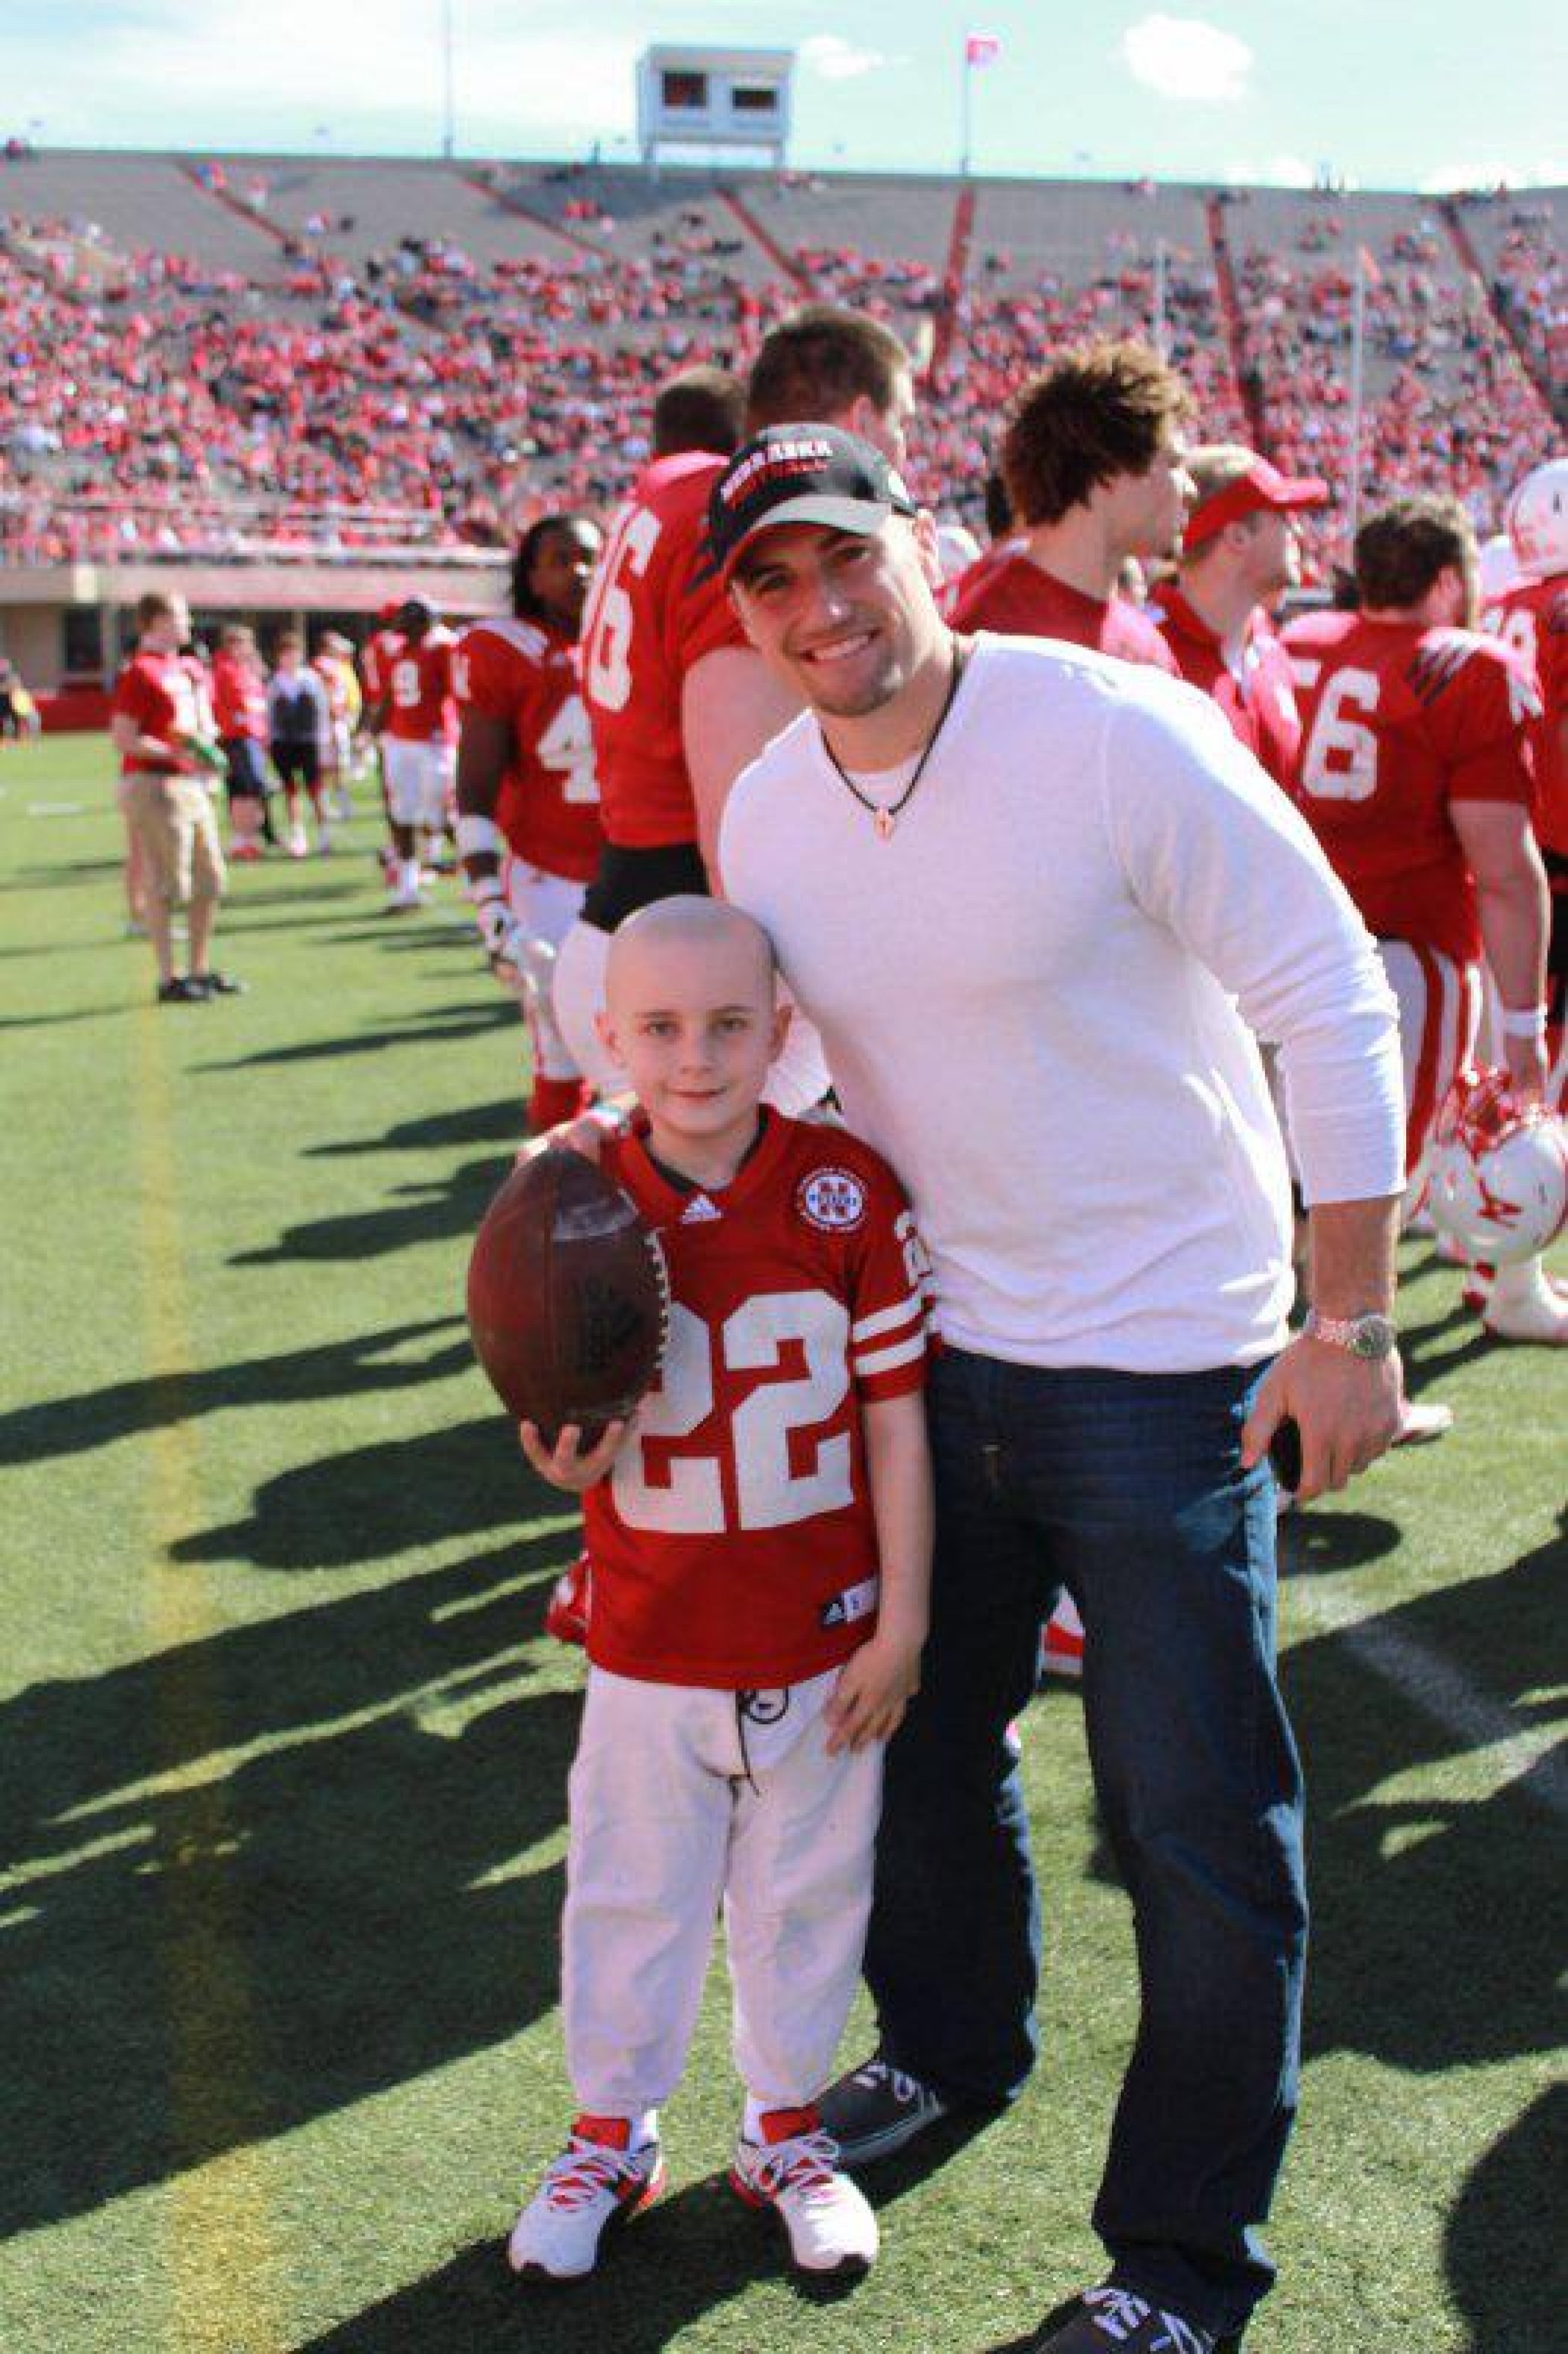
{"points": [[1093, 463], [1239, 553], [162, 729]]}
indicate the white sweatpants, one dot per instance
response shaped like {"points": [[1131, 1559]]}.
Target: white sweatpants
{"points": [[546, 906], [798, 1079], [418, 780], [666, 1824]]}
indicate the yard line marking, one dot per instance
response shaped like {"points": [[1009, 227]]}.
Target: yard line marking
{"points": [[1528, 1755], [218, 2237]]}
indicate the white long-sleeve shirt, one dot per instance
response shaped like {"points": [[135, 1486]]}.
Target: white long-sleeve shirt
{"points": [[1038, 1001]]}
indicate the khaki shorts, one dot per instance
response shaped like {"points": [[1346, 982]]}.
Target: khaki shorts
{"points": [[172, 822]]}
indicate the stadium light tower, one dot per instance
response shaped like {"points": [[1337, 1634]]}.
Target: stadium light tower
{"points": [[447, 137]]}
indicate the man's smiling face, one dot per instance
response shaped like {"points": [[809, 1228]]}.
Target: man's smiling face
{"points": [[847, 617]]}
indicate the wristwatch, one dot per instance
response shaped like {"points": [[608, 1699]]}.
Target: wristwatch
{"points": [[1371, 1335]]}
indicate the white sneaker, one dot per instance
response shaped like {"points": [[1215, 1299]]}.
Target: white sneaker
{"points": [[1526, 1305], [400, 902], [595, 2182], [795, 2171], [1419, 1425], [298, 845]]}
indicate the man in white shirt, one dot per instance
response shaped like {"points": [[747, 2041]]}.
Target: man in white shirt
{"points": [[1038, 903]]}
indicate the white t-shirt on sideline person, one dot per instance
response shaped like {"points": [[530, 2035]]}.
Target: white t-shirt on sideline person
{"points": [[1029, 998]]}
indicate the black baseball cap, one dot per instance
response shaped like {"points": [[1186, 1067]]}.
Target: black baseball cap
{"points": [[801, 474]]}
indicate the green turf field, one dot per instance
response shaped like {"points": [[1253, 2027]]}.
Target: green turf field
{"points": [[282, 1748]]}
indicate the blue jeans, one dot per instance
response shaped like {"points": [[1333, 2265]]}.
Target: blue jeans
{"points": [[1126, 1488]]}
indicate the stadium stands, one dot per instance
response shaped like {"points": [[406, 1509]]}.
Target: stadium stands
{"points": [[269, 356]]}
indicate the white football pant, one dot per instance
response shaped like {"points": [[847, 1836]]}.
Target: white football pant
{"points": [[672, 1814], [798, 1079], [546, 906], [419, 778], [1439, 1012]]}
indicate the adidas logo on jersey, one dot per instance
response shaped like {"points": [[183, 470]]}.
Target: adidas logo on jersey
{"points": [[699, 1209]]}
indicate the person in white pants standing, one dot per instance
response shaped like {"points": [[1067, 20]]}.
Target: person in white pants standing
{"points": [[760, 1606]]}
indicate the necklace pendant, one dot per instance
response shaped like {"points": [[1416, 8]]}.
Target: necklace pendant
{"points": [[885, 821]]}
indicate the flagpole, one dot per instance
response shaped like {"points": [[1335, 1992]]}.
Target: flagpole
{"points": [[968, 79], [1357, 338], [1161, 337]]}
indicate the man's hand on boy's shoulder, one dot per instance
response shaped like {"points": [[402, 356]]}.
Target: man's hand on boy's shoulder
{"points": [[566, 1465], [873, 1689]]}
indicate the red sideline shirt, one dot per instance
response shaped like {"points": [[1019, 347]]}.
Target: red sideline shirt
{"points": [[238, 698], [1532, 619], [524, 675], [649, 620], [1019, 598], [1398, 722], [732, 1545], [1258, 698], [376, 656], [422, 707], [165, 694]]}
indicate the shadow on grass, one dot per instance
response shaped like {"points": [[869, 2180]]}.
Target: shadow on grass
{"points": [[687, 2256], [488, 1123], [436, 1028], [273, 1872], [1507, 2283], [335, 1369], [437, 1209], [374, 1502]]}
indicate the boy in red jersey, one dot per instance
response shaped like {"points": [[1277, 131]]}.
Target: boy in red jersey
{"points": [[1415, 775], [240, 711], [528, 819], [1092, 460], [163, 730], [760, 1533]]}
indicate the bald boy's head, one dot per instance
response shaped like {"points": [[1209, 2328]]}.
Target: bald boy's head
{"points": [[675, 936]]}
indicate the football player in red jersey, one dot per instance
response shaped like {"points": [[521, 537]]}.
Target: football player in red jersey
{"points": [[376, 655], [1532, 619], [678, 701], [419, 745], [1414, 773], [760, 1536], [1093, 461], [1239, 553], [239, 714], [528, 822]]}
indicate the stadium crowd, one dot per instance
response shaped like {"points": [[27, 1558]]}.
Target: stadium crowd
{"points": [[418, 394]]}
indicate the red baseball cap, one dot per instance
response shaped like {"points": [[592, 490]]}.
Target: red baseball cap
{"points": [[1262, 485]]}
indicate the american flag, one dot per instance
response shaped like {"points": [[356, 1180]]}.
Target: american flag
{"points": [[982, 49]]}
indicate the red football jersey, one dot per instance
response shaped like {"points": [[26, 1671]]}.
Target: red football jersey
{"points": [[1532, 619], [1258, 698], [376, 656], [238, 698], [1019, 598], [733, 1545], [649, 618], [1398, 722], [525, 675], [421, 704], [166, 695]]}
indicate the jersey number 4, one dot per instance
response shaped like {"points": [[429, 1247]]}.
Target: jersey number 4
{"points": [[1339, 760], [607, 632], [769, 1492]]}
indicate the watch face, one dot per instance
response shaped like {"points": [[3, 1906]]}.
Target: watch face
{"points": [[1374, 1337]]}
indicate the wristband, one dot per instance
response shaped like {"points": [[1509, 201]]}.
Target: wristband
{"points": [[612, 1118], [477, 835], [1523, 1022]]}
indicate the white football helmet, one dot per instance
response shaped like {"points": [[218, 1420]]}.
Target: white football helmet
{"points": [[1538, 520], [1500, 567], [1499, 1172]]}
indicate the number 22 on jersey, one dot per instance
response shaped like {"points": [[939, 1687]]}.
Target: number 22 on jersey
{"points": [[765, 1491], [608, 624]]}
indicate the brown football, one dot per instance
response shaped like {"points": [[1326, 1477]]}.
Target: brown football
{"points": [[565, 1295]]}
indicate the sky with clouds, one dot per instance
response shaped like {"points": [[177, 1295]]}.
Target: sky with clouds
{"points": [[1389, 93]]}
